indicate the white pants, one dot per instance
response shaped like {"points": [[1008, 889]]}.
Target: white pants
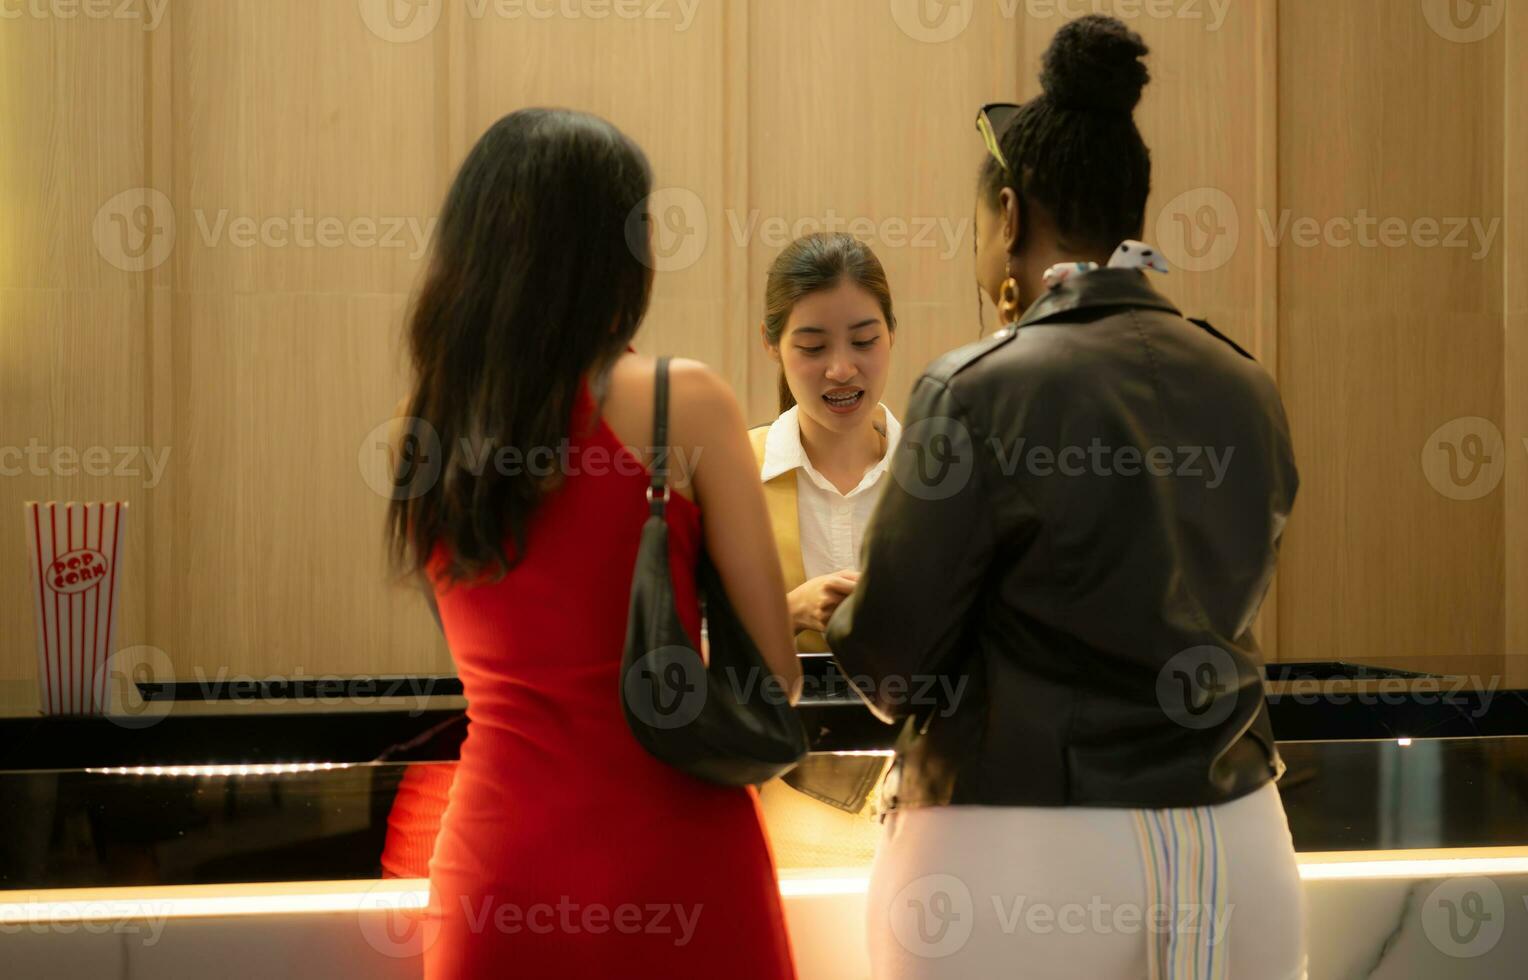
{"points": [[1084, 892]]}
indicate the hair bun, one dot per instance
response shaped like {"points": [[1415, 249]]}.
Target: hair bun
{"points": [[1093, 64]]}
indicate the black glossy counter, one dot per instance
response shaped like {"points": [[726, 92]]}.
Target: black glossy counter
{"points": [[286, 791], [421, 719]]}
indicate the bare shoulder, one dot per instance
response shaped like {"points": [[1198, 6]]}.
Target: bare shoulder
{"points": [[705, 410], [627, 402], [697, 386], [701, 406], [698, 397]]}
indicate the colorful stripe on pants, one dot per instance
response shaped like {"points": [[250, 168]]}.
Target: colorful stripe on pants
{"points": [[1187, 920]]}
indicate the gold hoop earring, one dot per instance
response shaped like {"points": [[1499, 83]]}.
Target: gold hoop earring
{"points": [[1008, 301]]}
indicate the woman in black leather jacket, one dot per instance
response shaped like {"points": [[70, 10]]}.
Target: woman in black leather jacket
{"points": [[1058, 593]]}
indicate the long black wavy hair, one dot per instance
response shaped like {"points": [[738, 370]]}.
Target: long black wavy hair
{"points": [[540, 273]]}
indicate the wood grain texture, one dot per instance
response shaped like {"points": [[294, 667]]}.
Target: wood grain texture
{"points": [[1381, 344], [265, 365], [307, 171], [854, 120], [73, 368], [1515, 333], [662, 82]]}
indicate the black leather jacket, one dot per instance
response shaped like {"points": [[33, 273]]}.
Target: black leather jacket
{"points": [[1060, 581]]}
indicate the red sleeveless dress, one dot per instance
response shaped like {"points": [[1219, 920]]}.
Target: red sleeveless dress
{"points": [[566, 850]]}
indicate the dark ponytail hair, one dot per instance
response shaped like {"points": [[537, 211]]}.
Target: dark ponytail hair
{"points": [[813, 263], [1074, 150], [539, 274]]}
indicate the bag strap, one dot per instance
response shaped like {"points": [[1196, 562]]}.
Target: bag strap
{"points": [[657, 490]]}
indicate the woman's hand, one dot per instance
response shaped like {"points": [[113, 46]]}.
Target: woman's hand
{"points": [[813, 601]]}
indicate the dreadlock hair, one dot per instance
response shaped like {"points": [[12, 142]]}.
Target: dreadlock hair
{"points": [[1073, 151]]}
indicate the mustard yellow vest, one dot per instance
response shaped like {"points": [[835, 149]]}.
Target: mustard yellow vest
{"points": [[807, 829], [780, 496]]}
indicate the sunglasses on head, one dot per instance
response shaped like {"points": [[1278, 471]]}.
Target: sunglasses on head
{"points": [[992, 121]]}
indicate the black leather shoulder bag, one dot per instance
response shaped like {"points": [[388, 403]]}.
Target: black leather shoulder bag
{"points": [[729, 722]]}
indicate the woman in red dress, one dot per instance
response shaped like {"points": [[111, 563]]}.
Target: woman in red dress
{"points": [[567, 850]]}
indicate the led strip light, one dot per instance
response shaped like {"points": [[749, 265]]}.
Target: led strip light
{"points": [[237, 769], [413, 893]]}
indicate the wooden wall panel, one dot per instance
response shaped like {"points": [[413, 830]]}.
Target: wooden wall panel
{"points": [[1515, 388], [284, 350], [857, 112], [72, 379], [1380, 346], [662, 81], [72, 359], [264, 369]]}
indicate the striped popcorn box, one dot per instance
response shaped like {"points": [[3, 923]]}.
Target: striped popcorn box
{"points": [[75, 549]]}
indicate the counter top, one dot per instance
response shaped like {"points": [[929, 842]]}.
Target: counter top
{"points": [[170, 825]]}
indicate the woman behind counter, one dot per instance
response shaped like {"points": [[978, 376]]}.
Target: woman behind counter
{"points": [[828, 323]]}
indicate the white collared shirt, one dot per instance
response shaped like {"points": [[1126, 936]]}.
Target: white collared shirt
{"points": [[832, 524]]}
